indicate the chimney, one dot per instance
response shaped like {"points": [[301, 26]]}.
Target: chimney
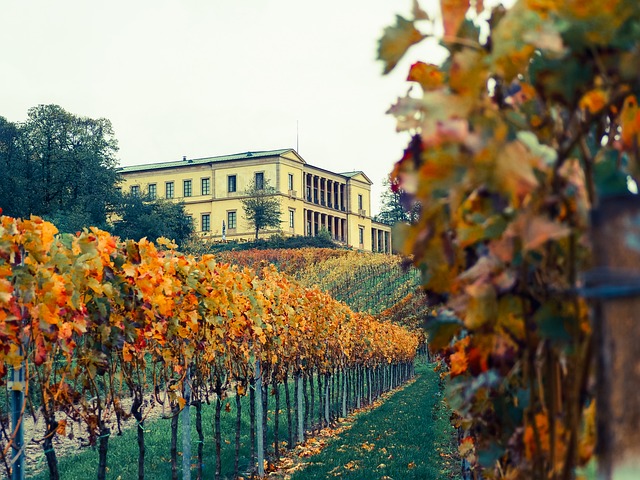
{"points": [[184, 158]]}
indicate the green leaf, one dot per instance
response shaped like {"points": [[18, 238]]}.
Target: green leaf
{"points": [[441, 330], [552, 323], [563, 79], [395, 42], [609, 178], [487, 457]]}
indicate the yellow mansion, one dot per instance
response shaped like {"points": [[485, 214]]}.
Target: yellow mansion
{"points": [[311, 198]]}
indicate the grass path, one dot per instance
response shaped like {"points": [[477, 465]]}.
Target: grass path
{"points": [[407, 437]]}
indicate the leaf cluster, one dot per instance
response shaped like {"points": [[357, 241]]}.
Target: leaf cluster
{"points": [[515, 138], [94, 320]]}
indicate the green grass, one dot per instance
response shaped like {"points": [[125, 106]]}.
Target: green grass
{"points": [[123, 450], [408, 437]]}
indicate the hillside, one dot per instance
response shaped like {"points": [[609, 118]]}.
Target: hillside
{"points": [[382, 285]]}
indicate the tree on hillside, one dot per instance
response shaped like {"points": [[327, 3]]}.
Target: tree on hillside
{"points": [[261, 207], [396, 206], [140, 217], [61, 166]]}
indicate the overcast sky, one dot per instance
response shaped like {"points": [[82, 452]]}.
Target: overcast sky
{"points": [[211, 77]]}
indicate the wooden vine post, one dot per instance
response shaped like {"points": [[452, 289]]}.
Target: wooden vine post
{"points": [[614, 286], [259, 413], [18, 386], [300, 408], [186, 428]]}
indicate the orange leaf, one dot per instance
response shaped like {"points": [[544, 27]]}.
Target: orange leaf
{"points": [[594, 100], [427, 75], [62, 427], [453, 12], [458, 363]]}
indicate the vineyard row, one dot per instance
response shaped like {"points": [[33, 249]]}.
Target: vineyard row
{"points": [[87, 321]]}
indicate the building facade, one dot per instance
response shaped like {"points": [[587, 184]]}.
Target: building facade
{"points": [[311, 198]]}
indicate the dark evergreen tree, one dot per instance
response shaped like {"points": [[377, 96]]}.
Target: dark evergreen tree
{"points": [[140, 217], [395, 206]]}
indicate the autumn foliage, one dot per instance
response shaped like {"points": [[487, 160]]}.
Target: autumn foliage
{"points": [[530, 121], [96, 320]]}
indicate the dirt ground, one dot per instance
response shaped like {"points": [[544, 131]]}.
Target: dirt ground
{"points": [[75, 433]]}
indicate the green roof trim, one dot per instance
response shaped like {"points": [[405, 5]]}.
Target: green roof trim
{"points": [[355, 174], [204, 161]]}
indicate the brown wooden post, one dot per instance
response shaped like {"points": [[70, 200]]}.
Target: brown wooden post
{"points": [[614, 287]]}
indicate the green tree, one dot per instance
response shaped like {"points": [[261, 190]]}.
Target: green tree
{"points": [[62, 166], [261, 207], [396, 206], [14, 189], [141, 217]]}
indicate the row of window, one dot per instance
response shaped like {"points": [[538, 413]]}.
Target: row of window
{"points": [[205, 186], [232, 220], [169, 189]]}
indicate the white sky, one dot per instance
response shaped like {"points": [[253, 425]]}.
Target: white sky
{"points": [[213, 77]]}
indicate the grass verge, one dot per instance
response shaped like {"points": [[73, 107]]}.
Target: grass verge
{"points": [[407, 437]]}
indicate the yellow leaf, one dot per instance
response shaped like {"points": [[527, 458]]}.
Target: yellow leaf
{"points": [[466, 447], [395, 42], [482, 306], [514, 171], [594, 100], [427, 75], [630, 122]]}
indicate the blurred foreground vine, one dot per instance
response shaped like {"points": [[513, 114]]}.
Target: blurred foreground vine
{"points": [[515, 138]]}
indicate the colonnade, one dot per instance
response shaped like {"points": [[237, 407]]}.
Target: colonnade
{"points": [[325, 192], [380, 241], [315, 221]]}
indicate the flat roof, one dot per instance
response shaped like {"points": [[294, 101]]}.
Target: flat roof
{"points": [[227, 158], [203, 161]]}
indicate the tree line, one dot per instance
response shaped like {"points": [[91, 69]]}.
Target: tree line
{"points": [[64, 168]]}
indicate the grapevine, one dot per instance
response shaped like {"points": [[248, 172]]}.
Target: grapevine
{"points": [[88, 315]]}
